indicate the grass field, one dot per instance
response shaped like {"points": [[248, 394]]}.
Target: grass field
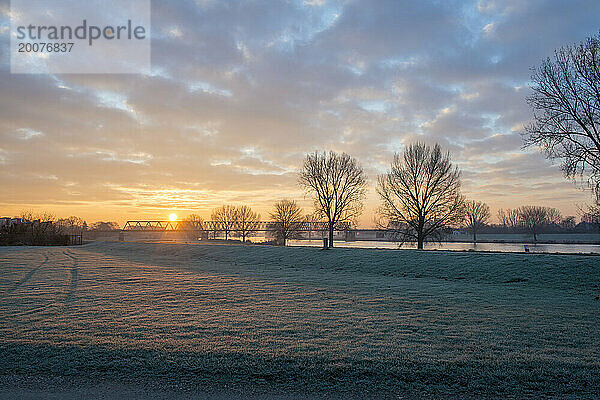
{"points": [[135, 320]]}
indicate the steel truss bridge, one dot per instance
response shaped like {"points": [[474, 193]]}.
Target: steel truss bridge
{"points": [[218, 226]]}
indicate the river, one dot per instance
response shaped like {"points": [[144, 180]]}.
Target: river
{"points": [[461, 246]]}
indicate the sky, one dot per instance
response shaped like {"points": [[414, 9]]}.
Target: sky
{"points": [[240, 91]]}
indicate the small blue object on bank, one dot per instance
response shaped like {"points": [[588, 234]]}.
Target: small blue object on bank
{"points": [[526, 248], [325, 242]]}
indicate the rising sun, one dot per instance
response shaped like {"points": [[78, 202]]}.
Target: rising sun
{"points": [[173, 217]]}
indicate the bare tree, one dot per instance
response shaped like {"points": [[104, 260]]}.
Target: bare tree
{"points": [[104, 226], [510, 218], [193, 225], [194, 218], [287, 218], [477, 215], [30, 216], [226, 218], [568, 223], [502, 218], [421, 193], [566, 109], [535, 218], [590, 215], [514, 219], [72, 225], [553, 216], [338, 184], [247, 221]]}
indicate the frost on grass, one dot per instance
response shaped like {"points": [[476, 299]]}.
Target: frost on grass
{"points": [[364, 322]]}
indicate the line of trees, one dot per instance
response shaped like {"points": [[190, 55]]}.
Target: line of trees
{"points": [[34, 229], [420, 196], [286, 217], [72, 225], [43, 228], [420, 193], [238, 219], [534, 219]]}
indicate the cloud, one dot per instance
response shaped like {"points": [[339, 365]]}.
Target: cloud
{"points": [[240, 91]]}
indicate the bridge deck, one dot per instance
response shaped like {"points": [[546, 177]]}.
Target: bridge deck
{"points": [[217, 226]]}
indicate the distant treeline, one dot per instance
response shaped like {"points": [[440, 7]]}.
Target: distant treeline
{"points": [[32, 233], [537, 219], [44, 229]]}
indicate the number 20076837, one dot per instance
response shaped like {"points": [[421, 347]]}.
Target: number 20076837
{"points": [[44, 47]]}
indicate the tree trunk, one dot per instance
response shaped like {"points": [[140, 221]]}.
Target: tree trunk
{"points": [[330, 234], [474, 237], [420, 238], [420, 241]]}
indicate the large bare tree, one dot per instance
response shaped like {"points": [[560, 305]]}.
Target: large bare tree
{"points": [[566, 109], [338, 184], [287, 218], [226, 216], [247, 221], [420, 193], [477, 216]]}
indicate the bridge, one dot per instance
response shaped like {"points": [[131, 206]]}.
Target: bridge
{"points": [[194, 230], [220, 226]]}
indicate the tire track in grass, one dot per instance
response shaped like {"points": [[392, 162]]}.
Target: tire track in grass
{"points": [[28, 276], [68, 298], [74, 277], [31, 311]]}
